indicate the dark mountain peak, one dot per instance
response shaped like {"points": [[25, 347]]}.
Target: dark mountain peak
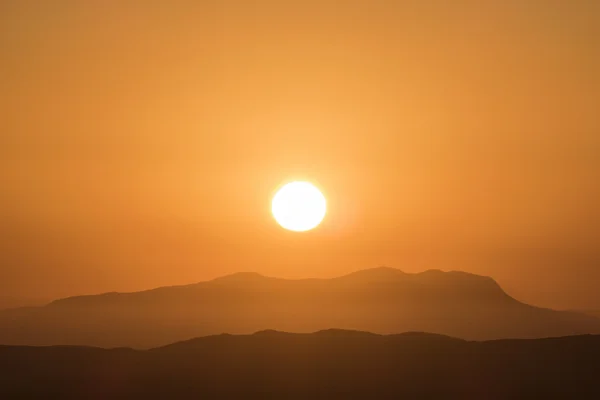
{"points": [[85, 299], [466, 283], [272, 333], [394, 273], [381, 300], [241, 277], [377, 273], [425, 335], [442, 286], [431, 275], [454, 276], [432, 271], [332, 332], [344, 333], [434, 281]]}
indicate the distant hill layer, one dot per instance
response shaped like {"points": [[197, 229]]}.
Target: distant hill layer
{"points": [[593, 313], [327, 364], [380, 300], [7, 302]]}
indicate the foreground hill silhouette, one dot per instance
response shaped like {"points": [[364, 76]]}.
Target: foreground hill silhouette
{"points": [[593, 313], [380, 300], [327, 364]]}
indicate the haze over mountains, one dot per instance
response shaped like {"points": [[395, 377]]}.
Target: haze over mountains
{"points": [[328, 364], [15, 301], [379, 300]]}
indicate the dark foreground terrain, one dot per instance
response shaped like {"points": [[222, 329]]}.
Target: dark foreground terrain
{"points": [[331, 364]]}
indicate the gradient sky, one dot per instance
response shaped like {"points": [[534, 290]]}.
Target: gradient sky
{"points": [[140, 144]]}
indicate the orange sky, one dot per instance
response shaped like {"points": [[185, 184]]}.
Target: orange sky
{"points": [[140, 145]]}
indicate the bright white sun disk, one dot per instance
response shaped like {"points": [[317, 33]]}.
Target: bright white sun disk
{"points": [[299, 206]]}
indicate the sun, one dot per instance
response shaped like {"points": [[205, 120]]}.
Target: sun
{"points": [[299, 206]]}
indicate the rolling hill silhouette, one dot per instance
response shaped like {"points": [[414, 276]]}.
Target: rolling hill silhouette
{"points": [[380, 300], [7, 302], [326, 364], [593, 313]]}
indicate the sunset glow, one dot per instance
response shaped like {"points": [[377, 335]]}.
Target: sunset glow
{"points": [[299, 206]]}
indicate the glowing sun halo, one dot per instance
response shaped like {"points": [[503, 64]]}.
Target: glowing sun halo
{"points": [[299, 206]]}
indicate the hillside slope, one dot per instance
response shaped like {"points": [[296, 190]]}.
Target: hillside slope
{"points": [[327, 364], [380, 300]]}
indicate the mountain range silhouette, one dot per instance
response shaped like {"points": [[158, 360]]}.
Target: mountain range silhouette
{"points": [[380, 300], [330, 364]]}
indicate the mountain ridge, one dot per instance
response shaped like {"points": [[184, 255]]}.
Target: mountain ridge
{"points": [[379, 272], [326, 364], [381, 300]]}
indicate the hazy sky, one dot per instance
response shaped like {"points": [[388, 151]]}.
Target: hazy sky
{"points": [[140, 142]]}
